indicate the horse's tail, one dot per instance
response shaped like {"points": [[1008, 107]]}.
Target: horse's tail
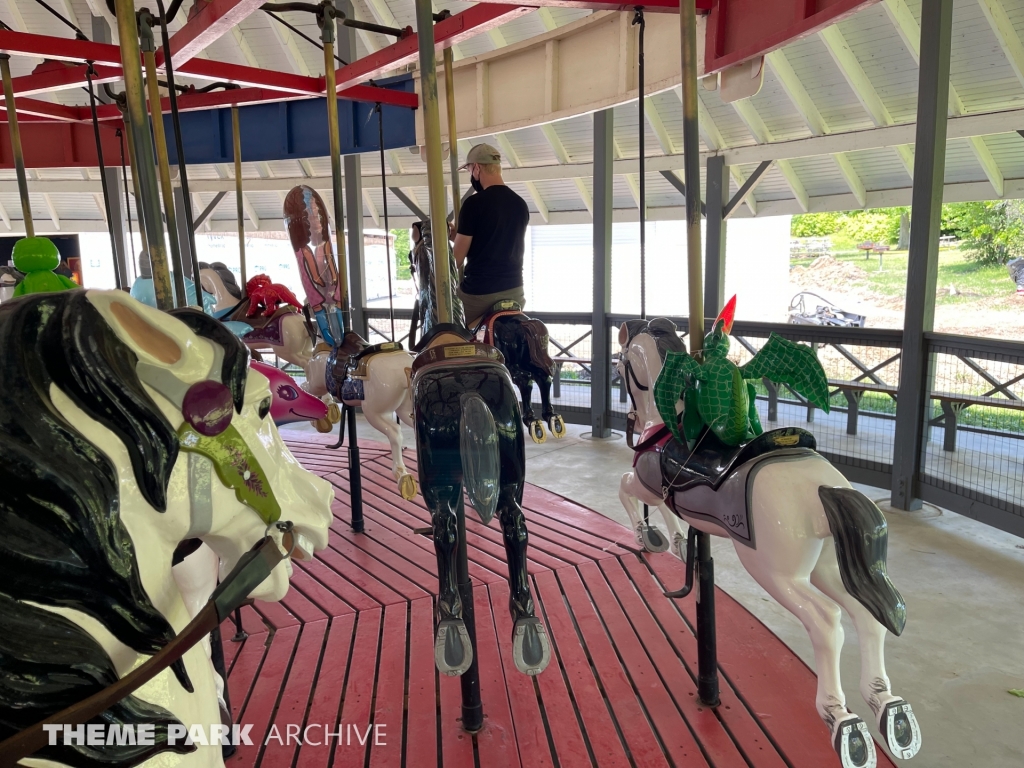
{"points": [[861, 538], [478, 441]]}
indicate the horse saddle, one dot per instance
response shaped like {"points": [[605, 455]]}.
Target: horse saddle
{"points": [[535, 331], [358, 362], [447, 344], [265, 329], [711, 461]]}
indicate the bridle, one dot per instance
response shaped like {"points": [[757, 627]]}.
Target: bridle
{"points": [[631, 376]]}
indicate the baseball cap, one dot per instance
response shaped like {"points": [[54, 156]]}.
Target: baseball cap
{"points": [[484, 154]]}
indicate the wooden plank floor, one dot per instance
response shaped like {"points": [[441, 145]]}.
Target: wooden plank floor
{"points": [[352, 643]]}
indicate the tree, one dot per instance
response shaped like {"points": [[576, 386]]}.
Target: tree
{"points": [[990, 232], [402, 247]]}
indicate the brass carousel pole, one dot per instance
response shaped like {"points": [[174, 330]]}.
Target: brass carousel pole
{"points": [[19, 157], [156, 115], [327, 32], [472, 707], [236, 142], [707, 662], [453, 135], [138, 123]]}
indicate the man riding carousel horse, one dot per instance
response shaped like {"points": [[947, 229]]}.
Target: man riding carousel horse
{"points": [[489, 248]]}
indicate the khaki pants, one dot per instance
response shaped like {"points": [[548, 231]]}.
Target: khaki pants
{"points": [[477, 305]]}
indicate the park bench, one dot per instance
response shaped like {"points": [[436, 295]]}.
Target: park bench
{"points": [[954, 402], [853, 391]]}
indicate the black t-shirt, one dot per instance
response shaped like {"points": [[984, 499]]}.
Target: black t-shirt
{"points": [[496, 219]]}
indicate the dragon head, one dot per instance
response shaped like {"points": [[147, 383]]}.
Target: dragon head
{"points": [[716, 342]]}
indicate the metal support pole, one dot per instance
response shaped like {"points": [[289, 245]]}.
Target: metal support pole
{"points": [[453, 134], [353, 169], [163, 167], [188, 257], [601, 343], [707, 660], [117, 223], [472, 707], [926, 212], [236, 141], [19, 157], [435, 169], [356, 252], [327, 35], [142, 151], [717, 199], [140, 220], [691, 172]]}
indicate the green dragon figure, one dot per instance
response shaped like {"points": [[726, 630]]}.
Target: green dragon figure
{"points": [[37, 257], [718, 394]]}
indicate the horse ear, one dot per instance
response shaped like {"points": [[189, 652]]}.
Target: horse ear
{"points": [[623, 335], [137, 325]]}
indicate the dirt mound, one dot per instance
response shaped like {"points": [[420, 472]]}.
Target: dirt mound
{"points": [[826, 272]]}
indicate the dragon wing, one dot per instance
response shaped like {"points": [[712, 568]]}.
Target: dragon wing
{"points": [[670, 385], [787, 362]]}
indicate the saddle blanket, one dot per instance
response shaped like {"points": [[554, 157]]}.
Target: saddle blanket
{"points": [[352, 391]]}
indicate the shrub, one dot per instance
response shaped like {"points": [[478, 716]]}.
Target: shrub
{"points": [[990, 232]]}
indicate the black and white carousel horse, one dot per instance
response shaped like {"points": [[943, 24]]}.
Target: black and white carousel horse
{"points": [[469, 436], [124, 432]]}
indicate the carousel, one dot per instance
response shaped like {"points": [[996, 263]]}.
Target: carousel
{"points": [[181, 586]]}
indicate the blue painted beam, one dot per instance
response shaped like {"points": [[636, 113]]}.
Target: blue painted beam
{"points": [[291, 130]]}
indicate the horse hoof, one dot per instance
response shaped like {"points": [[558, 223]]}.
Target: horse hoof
{"points": [[557, 426], [651, 539], [407, 487], [334, 413], [854, 745], [323, 426], [900, 730], [531, 650], [537, 432], [453, 653]]}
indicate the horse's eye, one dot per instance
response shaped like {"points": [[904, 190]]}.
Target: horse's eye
{"points": [[264, 407], [288, 392]]}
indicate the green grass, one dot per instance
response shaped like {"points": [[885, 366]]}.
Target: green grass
{"points": [[972, 280]]}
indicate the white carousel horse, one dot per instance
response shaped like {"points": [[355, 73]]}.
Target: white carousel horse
{"points": [[295, 344], [376, 379], [804, 555], [137, 432]]}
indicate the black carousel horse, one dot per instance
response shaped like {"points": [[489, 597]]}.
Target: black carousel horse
{"points": [[522, 340], [468, 436]]}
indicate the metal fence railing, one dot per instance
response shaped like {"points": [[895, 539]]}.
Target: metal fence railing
{"points": [[973, 447]]}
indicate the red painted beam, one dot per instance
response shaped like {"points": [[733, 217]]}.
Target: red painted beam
{"points": [[471, 22], [739, 30], [61, 79], [287, 82], [654, 6], [212, 22], [59, 48], [46, 109], [55, 145]]}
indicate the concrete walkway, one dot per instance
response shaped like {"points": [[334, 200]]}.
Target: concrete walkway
{"points": [[963, 647]]}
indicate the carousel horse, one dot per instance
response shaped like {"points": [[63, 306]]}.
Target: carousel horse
{"points": [[469, 435], [522, 341], [126, 431], [309, 230], [285, 334], [813, 542]]}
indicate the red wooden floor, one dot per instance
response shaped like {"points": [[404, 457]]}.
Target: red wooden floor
{"points": [[352, 643]]}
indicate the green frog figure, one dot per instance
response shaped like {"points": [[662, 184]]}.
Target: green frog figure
{"points": [[719, 395], [36, 258]]}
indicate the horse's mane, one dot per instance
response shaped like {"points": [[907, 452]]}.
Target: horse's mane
{"points": [[662, 330], [226, 276], [422, 260], [64, 544]]}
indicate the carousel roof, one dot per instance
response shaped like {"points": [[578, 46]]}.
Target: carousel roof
{"points": [[835, 113]]}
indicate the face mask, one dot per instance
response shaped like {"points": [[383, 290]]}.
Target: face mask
{"points": [[475, 182]]}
